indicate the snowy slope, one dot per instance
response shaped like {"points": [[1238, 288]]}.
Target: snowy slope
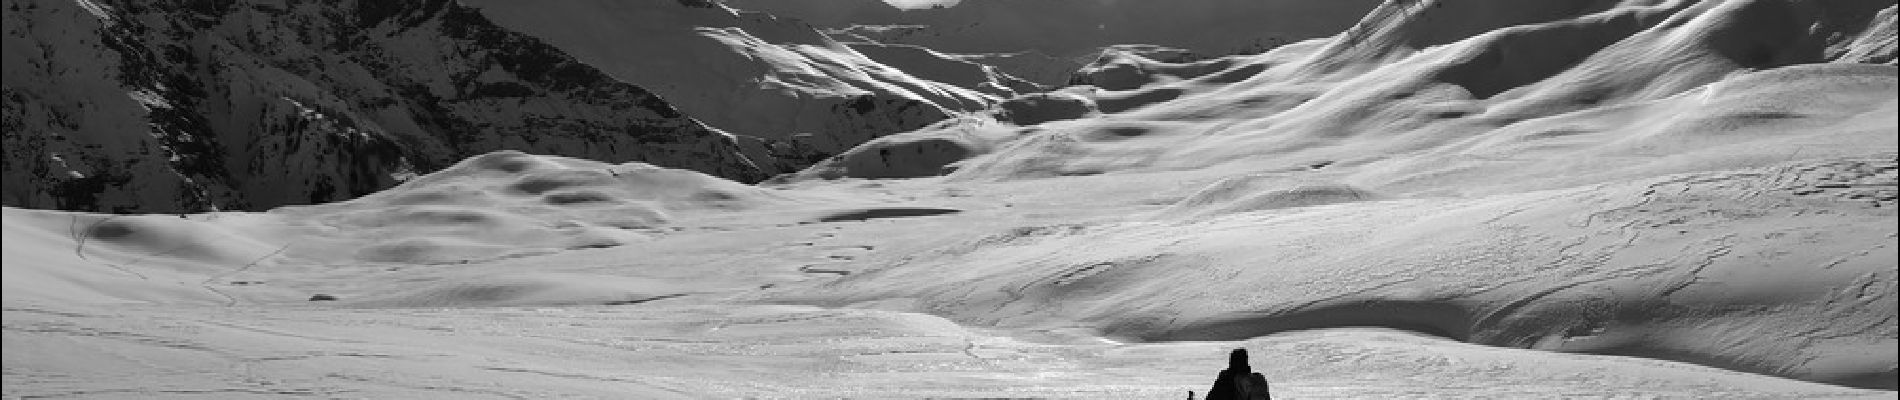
{"points": [[1408, 92], [519, 275], [1448, 200], [930, 64], [1630, 113]]}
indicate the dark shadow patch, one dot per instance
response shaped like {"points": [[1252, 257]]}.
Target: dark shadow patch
{"points": [[1504, 121], [714, 195], [544, 183], [1436, 318], [437, 217], [506, 162], [1137, 99], [1234, 75], [1522, 57], [812, 269], [876, 213], [1127, 131], [109, 230], [579, 197], [1556, 133], [423, 198], [1886, 380], [1763, 115], [638, 301], [1116, 133], [1040, 108]]}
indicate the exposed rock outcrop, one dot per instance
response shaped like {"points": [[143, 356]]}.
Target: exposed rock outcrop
{"points": [[1044, 107], [188, 106]]}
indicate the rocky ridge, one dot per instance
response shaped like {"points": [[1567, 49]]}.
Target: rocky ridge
{"points": [[192, 106]]}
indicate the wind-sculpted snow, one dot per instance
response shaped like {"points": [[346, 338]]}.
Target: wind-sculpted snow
{"points": [[929, 64], [1785, 270], [494, 206], [1416, 104], [1448, 140], [1032, 37]]}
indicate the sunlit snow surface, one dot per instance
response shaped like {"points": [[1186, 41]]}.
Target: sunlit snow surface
{"points": [[1672, 199]]}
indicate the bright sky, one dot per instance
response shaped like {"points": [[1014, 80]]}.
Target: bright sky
{"points": [[919, 3]]}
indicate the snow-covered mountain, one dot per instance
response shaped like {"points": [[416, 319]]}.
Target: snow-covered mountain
{"points": [[801, 95], [1030, 38], [1439, 199], [1648, 164], [1454, 77], [180, 106]]}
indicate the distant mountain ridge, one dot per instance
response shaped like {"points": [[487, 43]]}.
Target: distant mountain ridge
{"points": [[175, 106], [795, 93], [1411, 76]]}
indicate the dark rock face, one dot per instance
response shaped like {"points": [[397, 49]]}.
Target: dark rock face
{"points": [[178, 106], [1238, 381]]}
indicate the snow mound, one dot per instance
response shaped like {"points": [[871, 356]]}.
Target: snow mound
{"points": [[510, 203], [82, 258], [1259, 193]]}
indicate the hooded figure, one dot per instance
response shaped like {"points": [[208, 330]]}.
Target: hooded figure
{"points": [[1238, 381]]}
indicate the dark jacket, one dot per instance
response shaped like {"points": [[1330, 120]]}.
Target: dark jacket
{"points": [[1238, 381]]}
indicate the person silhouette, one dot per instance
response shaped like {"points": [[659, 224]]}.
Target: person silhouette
{"points": [[1238, 381]]}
